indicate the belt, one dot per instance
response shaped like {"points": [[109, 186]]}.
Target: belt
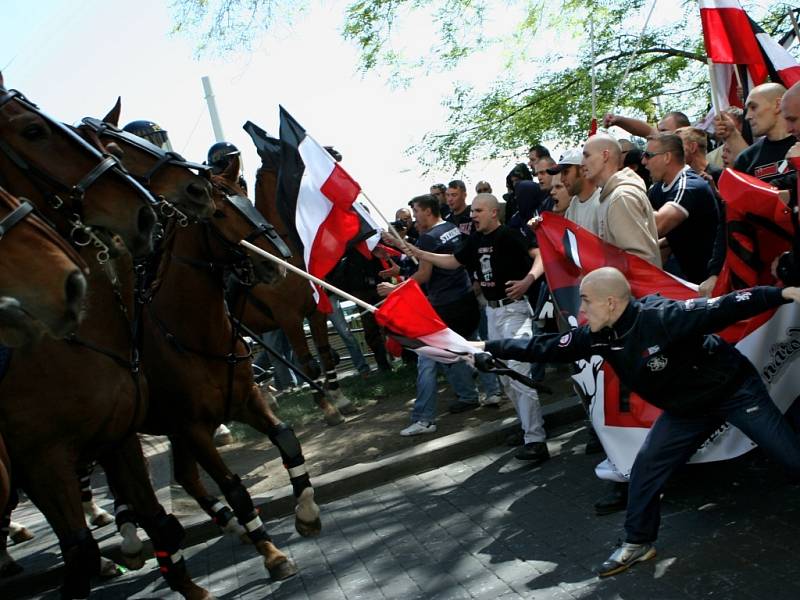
{"points": [[503, 302]]}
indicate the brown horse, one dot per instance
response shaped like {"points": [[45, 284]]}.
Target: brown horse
{"points": [[88, 387], [41, 290], [199, 370], [287, 305]]}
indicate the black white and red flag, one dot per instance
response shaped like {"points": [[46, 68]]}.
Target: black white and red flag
{"points": [[315, 195], [734, 41]]}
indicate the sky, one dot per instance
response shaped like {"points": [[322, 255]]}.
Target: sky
{"points": [[73, 58]]}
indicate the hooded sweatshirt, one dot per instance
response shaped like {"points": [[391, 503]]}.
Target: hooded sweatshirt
{"points": [[626, 217]]}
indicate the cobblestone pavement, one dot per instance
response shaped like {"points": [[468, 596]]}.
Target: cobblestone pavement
{"points": [[490, 528]]}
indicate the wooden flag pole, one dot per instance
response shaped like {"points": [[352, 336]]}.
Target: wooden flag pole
{"points": [[309, 276], [712, 80]]}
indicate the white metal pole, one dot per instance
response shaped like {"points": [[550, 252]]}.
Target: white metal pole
{"points": [[212, 109], [392, 230], [309, 276]]}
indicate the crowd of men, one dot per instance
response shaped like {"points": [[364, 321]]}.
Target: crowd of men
{"points": [[654, 196]]}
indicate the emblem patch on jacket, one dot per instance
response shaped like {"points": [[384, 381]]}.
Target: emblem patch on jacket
{"points": [[657, 363]]}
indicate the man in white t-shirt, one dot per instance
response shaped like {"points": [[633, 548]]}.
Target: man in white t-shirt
{"points": [[585, 203]]}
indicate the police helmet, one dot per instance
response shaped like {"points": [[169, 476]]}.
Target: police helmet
{"points": [[219, 156], [150, 131]]}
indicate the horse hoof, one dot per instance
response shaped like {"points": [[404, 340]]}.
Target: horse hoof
{"points": [[10, 569], [97, 516], [223, 436], [134, 562], [109, 569], [334, 419], [305, 529], [283, 570], [23, 534]]}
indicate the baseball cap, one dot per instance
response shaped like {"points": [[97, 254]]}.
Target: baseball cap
{"points": [[573, 156]]}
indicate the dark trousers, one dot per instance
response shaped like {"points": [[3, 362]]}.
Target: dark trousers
{"points": [[673, 439]]}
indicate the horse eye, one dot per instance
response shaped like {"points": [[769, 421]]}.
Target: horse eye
{"points": [[33, 132]]}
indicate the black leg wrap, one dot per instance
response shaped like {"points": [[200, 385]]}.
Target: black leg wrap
{"points": [[219, 513], [243, 508], [123, 514], [167, 535], [81, 563], [283, 437]]}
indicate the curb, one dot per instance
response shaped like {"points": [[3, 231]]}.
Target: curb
{"points": [[334, 485]]}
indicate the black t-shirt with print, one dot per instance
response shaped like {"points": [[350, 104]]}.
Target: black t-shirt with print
{"points": [[766, 160], [495, 258], [463, 221]]}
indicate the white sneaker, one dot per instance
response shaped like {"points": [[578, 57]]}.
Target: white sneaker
{"points": [[418, 428], [493, 400]]}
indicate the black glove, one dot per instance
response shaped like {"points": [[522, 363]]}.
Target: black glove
{"points": [[485, 362]]}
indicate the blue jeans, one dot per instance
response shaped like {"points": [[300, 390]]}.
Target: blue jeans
{"points": [[459, 374], [673, 439], [351, 343], [277, 340]]}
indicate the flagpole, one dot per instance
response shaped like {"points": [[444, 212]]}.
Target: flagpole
{"points": [[632, 57], [794, 24], [309, 276], [712, 80], [392, 230]]}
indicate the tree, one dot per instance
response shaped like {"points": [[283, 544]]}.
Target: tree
{"points": [[665, 65]]}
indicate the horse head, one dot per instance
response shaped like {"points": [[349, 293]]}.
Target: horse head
{"points": [[166, 174], [86, 193], [237, 219], [41, 282]]}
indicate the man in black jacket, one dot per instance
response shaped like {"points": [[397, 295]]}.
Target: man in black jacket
{"points": [[666, 351]]}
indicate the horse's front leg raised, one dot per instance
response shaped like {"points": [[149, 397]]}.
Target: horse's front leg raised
{"points": [[202, 447]]}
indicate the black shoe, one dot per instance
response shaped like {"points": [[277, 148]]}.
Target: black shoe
{"points": [[516, 438], [625, 557], [614, 501], [535, 453], [460, 407]]}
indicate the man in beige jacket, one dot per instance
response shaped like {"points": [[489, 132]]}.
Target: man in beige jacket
{"points": [[626, 217]]}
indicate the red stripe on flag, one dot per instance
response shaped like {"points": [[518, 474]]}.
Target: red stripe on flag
{"points": [[340, 188], [406, 311]]}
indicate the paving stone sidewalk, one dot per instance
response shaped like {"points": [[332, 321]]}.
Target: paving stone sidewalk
{"points": [[490, 528]]}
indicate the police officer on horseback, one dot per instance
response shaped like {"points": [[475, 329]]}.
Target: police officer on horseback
{"points": [[219, 158]]}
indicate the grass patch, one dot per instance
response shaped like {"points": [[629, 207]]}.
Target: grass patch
{"points": [[298, 408]]}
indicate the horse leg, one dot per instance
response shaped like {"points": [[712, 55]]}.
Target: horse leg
{"points": [[297, 339], [319, 331], [127, 473], [8, 566], [276, 562], [50, 484], [96, 516], [259, 416], [186, 474]]}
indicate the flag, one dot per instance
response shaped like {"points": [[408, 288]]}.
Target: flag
{"points": [[316, 196], [413, 323], [369, 232], [621, 417], [782, 66]]}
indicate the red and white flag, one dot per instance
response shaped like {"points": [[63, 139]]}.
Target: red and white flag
{"points": [[413, 323], [318, 195]]}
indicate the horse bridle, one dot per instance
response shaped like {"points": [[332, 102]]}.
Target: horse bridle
{"points": [[80, 234], [15, 217], [164, 158]]}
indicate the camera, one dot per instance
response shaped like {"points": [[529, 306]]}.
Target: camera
{"points": [[399, 224]]}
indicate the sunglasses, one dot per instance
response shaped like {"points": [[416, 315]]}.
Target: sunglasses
{"points": [[649, 155]]}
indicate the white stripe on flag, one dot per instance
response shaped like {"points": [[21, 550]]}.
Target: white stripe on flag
{"points": [[445, 345]]}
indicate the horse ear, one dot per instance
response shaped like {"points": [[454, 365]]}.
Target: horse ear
{"points": [[113, 115], [231, 172]]}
